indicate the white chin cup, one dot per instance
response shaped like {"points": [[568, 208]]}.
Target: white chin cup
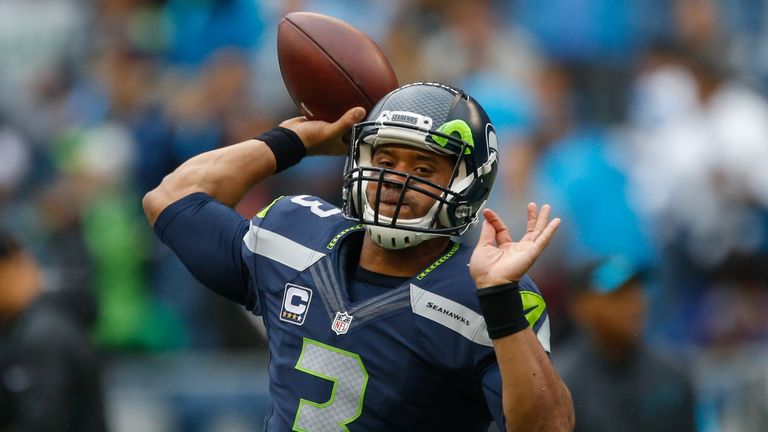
{"points": [[395, 238]]}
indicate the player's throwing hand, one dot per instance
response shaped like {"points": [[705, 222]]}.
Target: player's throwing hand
{"points": [[323, 138], [497, 259]]}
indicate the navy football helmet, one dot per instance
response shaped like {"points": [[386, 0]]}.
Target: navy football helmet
{"points": [[427, 116]]}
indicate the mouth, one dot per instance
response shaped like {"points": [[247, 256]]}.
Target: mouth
{"points": [[387, 207], [389, 202], [389, 199]]}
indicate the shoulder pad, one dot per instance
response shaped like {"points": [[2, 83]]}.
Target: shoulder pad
{"points": [[305, 219], [297, 230]]}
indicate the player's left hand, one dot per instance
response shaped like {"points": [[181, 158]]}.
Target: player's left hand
{"points": [[497, 259]]}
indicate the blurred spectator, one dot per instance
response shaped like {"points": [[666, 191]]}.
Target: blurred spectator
{"points": [[100, 161], [575, 165], [601, 31], [739, 292], [598, 39], [35, 36], [200, 28], [140, 24], [374, 17], [573, 159], [411, 24], [101, 99], [49, 373], [470, 38], [15, 161], [698, 153], [215, 109], [697, 25], [616, 381]]}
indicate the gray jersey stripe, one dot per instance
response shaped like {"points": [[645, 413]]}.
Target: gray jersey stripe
{"points": [[326, 270], [389, 307], [326, 294], [378, 302]]}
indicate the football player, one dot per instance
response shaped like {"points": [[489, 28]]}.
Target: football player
{"points": [[377, 319]]}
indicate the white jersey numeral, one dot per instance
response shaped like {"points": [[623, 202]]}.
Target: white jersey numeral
{"points": [[349, 378], [314, 206]]}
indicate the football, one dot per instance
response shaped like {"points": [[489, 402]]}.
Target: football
{"points": [[328, 66]]}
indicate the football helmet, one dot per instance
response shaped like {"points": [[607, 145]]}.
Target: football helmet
{"points": [[427, 116]]}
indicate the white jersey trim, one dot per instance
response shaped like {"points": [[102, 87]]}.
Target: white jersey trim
{"points": [[448, 313], [280, 248], [543, 335], [460, 318]]}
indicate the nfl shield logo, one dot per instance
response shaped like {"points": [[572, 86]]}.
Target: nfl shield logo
{"points": [[341, 323]]}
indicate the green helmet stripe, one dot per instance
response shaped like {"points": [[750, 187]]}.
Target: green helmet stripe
{"points": [[460, 126]]}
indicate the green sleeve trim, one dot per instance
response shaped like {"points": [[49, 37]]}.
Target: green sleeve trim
{"points": [[263, 212], [333, 242], [437, 263], [533, 306]]}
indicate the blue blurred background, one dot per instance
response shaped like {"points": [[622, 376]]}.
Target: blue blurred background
{"points": [[644, 123]]}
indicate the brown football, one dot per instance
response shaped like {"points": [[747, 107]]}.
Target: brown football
{"points": [[328, 66]]}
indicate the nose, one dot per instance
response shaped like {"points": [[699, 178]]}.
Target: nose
{"points": [[393, 180]]}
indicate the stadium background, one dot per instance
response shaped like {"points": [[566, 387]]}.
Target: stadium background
{"points": [[644, 122]]}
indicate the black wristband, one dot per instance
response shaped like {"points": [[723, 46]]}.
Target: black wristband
{"points": [[502, 308], [285, 145]]}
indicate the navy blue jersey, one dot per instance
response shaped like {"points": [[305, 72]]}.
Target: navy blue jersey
{"points": [[413, 357]]}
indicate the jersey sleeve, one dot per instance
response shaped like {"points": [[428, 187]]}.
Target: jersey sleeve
{"points": [[207, 236], [535, 309], [288, 236], [491, 386]]}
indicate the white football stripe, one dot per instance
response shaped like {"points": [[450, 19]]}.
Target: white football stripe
{"points": [[279, 248], [543, 335], [471, 327], [476, 330]]}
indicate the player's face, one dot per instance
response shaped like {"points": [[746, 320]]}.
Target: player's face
{"points": [[19, 279], [420, 163], [618, 318]]}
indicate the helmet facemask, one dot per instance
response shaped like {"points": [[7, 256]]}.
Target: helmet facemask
{"points": [[430, 117], [450, 215]]}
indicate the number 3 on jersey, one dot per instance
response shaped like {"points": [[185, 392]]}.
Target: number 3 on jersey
{"points": [[349, 378], [314, 206]]}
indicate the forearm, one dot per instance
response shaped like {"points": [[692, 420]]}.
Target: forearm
{"points": [[534, 397], [225, 174]]}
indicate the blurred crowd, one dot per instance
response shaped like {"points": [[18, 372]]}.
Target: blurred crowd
{"points": [[643, 122]]}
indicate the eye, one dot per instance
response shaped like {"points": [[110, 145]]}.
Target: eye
{"points": [[424, 171], [383, 164]]}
